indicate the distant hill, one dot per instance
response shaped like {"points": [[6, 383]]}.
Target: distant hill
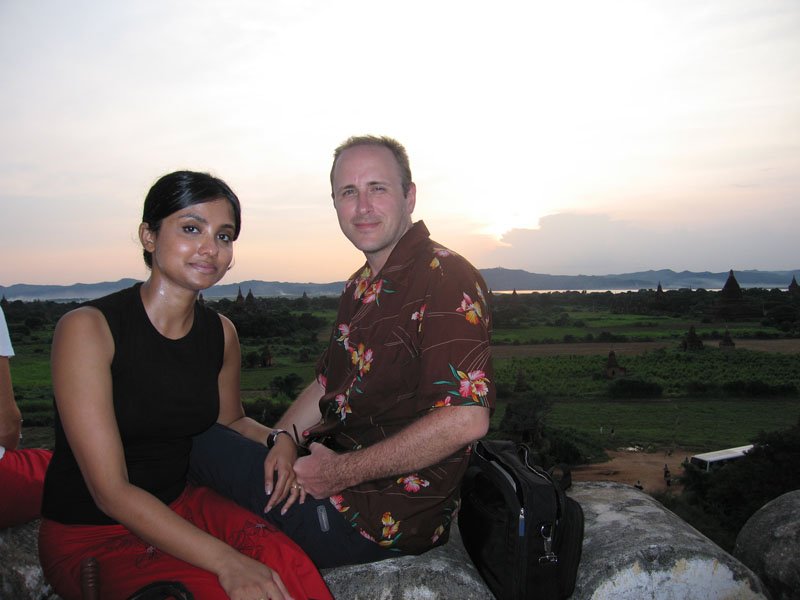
{"points": [[498, 279], [517, 279], [89, 291]]}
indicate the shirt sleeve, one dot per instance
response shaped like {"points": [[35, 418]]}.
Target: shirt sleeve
{"points": [[455, 327], [6, 349]]}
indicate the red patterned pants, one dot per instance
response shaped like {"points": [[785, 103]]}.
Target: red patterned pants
{"points": [[21, 479], [127, 563]]}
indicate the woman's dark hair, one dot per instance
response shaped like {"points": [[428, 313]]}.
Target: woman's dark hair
{"points": [[176, 191]]}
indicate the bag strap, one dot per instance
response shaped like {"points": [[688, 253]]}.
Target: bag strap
{"points": [[562, 474]]}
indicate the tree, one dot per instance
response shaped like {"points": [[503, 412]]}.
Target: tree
{"points": [[722, 501], [251, 360], [525, 417], [286, 385]]}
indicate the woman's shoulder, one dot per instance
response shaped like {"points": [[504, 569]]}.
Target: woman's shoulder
{"points": [[81, 329], [84, 316]]}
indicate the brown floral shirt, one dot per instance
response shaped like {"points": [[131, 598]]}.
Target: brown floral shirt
{"points": [[411, 339]]}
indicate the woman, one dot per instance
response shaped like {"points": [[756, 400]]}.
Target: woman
{"points": [[135, 375]]}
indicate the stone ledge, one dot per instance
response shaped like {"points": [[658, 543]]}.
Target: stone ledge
{"points": [[769, 543], [633, 548]]}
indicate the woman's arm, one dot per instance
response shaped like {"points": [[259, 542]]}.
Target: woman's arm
{"points": [[81, 359]]}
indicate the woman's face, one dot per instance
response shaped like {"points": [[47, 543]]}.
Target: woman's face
{"points": [[194, 246]]}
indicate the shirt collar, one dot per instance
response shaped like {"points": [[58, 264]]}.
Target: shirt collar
{"points": [[404, 250]]}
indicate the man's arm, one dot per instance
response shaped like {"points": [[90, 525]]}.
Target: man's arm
{"points": [[304, 411], [424, 442]]}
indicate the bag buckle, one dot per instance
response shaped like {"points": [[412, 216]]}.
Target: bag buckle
{"points": [[547, 535]]}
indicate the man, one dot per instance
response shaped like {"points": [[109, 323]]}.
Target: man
{"points": [[402, 390], [21, 470]]}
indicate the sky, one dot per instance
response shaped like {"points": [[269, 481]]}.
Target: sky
{"points": [[576, 137]]}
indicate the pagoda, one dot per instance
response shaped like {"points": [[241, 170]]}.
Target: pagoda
{"points": [[731, 291], [613, 368], [794, 289]]}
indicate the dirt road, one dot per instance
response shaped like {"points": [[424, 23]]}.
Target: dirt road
{"points": [[632, 466]]}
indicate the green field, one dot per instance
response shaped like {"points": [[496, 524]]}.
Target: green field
{"points": [[693, 424], [584, 325], [680, 374]]}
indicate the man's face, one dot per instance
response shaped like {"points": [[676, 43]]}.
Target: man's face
{"points": [[368, 196]]}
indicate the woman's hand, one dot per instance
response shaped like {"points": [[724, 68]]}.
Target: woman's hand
{"points": [[243, 578], [279, 478]]}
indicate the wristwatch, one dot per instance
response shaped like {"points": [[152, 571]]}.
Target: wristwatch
{"points": [[273, 436]]}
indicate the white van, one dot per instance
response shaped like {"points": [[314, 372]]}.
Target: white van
{"points": [[709, 461]]}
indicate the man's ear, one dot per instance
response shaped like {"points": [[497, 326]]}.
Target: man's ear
{"points": [[147, 237], [411, 197]]}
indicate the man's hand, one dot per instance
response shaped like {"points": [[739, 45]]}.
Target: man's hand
{"points": [[426, 441], [317, 473]]}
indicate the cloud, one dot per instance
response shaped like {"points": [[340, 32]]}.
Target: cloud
{"points": [[597, 244]]}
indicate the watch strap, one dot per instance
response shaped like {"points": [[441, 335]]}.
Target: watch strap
{"points": [[272, 437]]}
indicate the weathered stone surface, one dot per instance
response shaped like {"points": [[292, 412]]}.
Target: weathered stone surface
{"points": [[634, 548], [769, 543], [20, 574], [440, 574]]}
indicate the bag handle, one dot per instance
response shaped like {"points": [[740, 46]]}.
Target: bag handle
{"points": [[560, 474]]}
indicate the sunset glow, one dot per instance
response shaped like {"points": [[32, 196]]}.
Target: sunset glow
{"points": [[576, 137]]}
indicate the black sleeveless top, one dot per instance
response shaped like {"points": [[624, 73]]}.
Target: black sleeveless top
{"points": [[165, 391]]}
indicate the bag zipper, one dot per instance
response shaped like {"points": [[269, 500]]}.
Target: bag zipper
{"points": [[521, 571]]}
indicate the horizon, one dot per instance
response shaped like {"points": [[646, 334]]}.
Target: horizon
{"points": [[589, 138], [790, 273]]}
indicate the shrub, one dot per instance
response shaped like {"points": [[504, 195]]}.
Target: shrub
{"points": [[562, 449], [758, 388], [627, 388], [504, 389], [700, 388], [266, 411]]}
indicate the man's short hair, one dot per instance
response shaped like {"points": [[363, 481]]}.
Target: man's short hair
{"points": [[396, 148]]}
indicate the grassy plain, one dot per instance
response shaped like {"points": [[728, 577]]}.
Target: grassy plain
{"points": [[695, 424]]}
